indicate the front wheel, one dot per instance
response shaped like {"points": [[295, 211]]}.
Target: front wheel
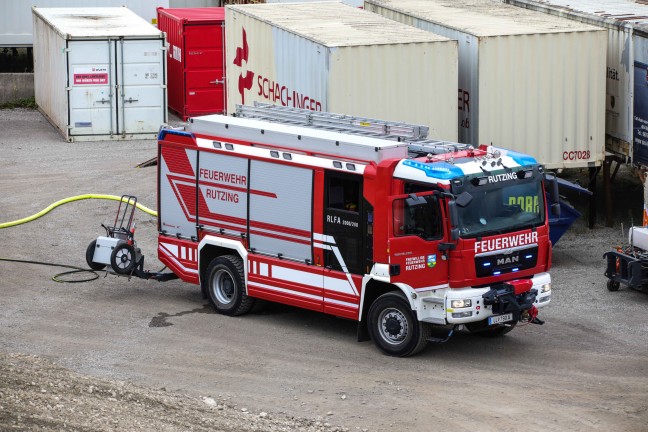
{"points": [[613, 285], [394, 328], [225, 286]]}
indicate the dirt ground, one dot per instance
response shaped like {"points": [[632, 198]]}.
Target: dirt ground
{"points": [[119, 354]]}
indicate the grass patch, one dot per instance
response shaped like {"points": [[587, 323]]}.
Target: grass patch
{"points": [[20, 103]]}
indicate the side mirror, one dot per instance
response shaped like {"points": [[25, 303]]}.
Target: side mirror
{"points": [[552, 181], [555, 209]]}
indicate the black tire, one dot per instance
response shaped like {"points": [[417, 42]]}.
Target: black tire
{"points": [[613, 285], [123, 259], [225, 286], [90, 254], [483, 329], [394, 328]]}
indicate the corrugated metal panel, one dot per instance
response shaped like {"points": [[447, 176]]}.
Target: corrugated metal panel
{"points": [[629, 12], [196, 46], [413, 83], [627, 26], [16, 16], [331, 57], [87, 23], [50, 74], [479, 17], [528, 81]]}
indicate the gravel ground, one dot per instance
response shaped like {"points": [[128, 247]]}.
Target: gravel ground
{"points": [[38, 395], [584, 370]]}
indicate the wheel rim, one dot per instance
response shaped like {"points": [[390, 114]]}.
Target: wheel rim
{"points": [[392, 326], [123, 258], [223, 286]]}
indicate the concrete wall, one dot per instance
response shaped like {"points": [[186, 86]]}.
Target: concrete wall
{"points": [[15, 86]]}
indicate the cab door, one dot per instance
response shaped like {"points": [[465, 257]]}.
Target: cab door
{"points": [[344, 243], [417, 241]]}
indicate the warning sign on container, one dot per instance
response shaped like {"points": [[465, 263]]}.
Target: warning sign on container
{"points": [[90, 75]]}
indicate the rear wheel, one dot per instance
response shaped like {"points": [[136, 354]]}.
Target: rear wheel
{"points": [[225, 286], [483, 329], [394, 328], [123, 259], [90, 255]]}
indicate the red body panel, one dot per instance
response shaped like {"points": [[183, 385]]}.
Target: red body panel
{"points": [[196, 64]]}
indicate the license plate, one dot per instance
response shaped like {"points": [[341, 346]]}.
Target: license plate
{"points": [[500, 319]]}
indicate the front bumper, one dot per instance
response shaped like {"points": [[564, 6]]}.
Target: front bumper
{"points": [[486, 302]]}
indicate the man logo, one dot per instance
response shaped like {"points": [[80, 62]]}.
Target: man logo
{"points": [[245, 82], [508, 260]]}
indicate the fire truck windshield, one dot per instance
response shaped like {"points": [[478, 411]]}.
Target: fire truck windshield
{"points": [[510, 206]]}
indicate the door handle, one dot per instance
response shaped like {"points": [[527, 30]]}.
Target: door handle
{"points": [[222, 81], [103, 101], [131, 100]]}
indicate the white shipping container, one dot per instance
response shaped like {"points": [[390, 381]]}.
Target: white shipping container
{"points": [[99, 73], [527, 81], [337, 58], [626, 106]]}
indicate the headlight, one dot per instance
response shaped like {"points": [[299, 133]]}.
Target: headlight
{"points": [[458, 304], [545, 288]]}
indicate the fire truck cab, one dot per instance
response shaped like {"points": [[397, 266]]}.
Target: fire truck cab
{"points": [[398, 233]]}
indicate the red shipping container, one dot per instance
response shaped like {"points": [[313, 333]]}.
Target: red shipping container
{"points": [[196, 64]]}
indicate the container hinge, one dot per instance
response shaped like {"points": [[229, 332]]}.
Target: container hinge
{"points": [[68, 88]]}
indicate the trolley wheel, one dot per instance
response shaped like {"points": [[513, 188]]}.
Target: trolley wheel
{"points": [[483, 329], [225, 285], [123, 259], [394, 328], [613, 285], [90, 254]]}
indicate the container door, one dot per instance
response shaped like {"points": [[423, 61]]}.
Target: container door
{"points": [[91, 80], [204, 69], [141, 93]]}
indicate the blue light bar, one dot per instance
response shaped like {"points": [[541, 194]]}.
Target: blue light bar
{"points": [[521, 159], [515, 269], [440, 170], [487, 264], [497, 273], [528, 256]]}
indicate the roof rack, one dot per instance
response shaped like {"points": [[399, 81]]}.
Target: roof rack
{"points": [[415, 136]]}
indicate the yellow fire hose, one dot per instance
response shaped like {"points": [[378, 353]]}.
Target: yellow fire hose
{"points": [[71, 199]]}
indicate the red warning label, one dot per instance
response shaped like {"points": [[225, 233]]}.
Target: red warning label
{"points": [[90, 75]]}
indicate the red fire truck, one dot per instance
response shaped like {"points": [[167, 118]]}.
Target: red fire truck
{"points": [[374, 223]]}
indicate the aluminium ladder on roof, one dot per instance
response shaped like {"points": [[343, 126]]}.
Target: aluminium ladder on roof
{"points": [[411, 134]]}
